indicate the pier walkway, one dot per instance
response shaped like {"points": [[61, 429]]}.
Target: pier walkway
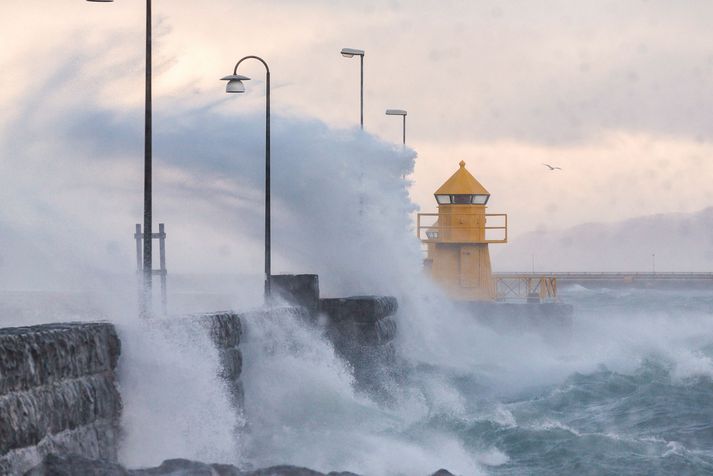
{"points": [[617, 276]]}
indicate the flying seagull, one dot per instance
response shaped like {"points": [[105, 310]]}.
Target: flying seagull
{"points": [[552, 168]]}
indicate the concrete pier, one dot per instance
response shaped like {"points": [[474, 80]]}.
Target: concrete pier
{"points": [[58, 393], [58, 388]]}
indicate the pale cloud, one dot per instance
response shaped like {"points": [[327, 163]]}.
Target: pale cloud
{"points": [[615, 92]]}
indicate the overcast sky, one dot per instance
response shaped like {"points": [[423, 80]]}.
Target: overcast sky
{"points": [[616, 92]]}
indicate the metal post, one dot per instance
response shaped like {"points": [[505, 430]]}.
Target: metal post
{"points": [[147, 298], [404, 130], [140, 288], [163, 271], [138, 238], [268, 251], [361, 89]]}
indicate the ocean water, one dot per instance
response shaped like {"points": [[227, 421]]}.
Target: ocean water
{"points": [[647, 410], [637, 396], [628, 390]]}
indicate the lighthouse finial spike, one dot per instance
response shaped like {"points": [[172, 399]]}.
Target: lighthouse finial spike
{"points": [[462, 163]]}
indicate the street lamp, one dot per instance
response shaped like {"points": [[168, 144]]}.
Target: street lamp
{"points": [[399, 112], [349, 53], [235, 85], [148, 232]]}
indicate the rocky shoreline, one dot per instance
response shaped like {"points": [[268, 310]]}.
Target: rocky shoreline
{"points": [[71, 465]]}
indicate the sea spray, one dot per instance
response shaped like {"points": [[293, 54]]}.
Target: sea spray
{"points": [[302, 409], [175, 403]]}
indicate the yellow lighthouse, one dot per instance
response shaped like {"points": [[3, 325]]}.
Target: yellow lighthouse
{"points": [[457, 241]]}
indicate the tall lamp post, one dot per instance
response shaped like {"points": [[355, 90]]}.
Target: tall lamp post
{"points": [[349, 53], [235, 85], [148, 232], [399, 112]]}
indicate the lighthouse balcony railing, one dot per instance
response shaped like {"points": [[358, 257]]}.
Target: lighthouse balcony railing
{"points": [[439, 233]]}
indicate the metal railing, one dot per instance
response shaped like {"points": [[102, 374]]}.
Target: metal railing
{"points": [[618, 276], [161, 272], [439, 233], [513, 287]]}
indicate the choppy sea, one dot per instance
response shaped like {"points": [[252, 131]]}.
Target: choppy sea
{"points": [[636, 399], [628, 390]]}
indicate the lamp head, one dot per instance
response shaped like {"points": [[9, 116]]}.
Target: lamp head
{"points": [[395, 112], [349, 52], [235, 83], [100, 1]]}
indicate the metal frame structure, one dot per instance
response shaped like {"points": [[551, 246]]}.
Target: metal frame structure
{"points": [[162, 271], [522, 287]]}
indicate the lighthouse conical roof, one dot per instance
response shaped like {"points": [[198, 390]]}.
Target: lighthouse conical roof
{"points": [[462, 183]]}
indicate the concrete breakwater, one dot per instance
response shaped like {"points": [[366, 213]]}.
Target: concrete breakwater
{"points": [[58, 382], [58, 393], [361, 328], [58, 387]]}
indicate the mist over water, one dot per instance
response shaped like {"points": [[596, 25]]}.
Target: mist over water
{"points": [[627, 392]]}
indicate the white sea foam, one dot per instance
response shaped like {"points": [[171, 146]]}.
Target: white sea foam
{"points": [[302, 408], [175, 405]]}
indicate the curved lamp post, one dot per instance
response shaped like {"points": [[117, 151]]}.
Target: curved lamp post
{"points": [[350, 53], [399, 112], [235, 85], [148, 232]]}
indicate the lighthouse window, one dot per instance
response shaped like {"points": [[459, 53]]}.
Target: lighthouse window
{"points": [[480, 199], [462, 199]]}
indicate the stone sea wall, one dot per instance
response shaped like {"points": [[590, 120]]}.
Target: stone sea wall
{"points": [[58, 393], [226, 330], [362, 330], [58, 389]]}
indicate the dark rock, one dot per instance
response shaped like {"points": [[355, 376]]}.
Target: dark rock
{"points": [[442, 472], [186, 467], [72, 465], [283, 471]]}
